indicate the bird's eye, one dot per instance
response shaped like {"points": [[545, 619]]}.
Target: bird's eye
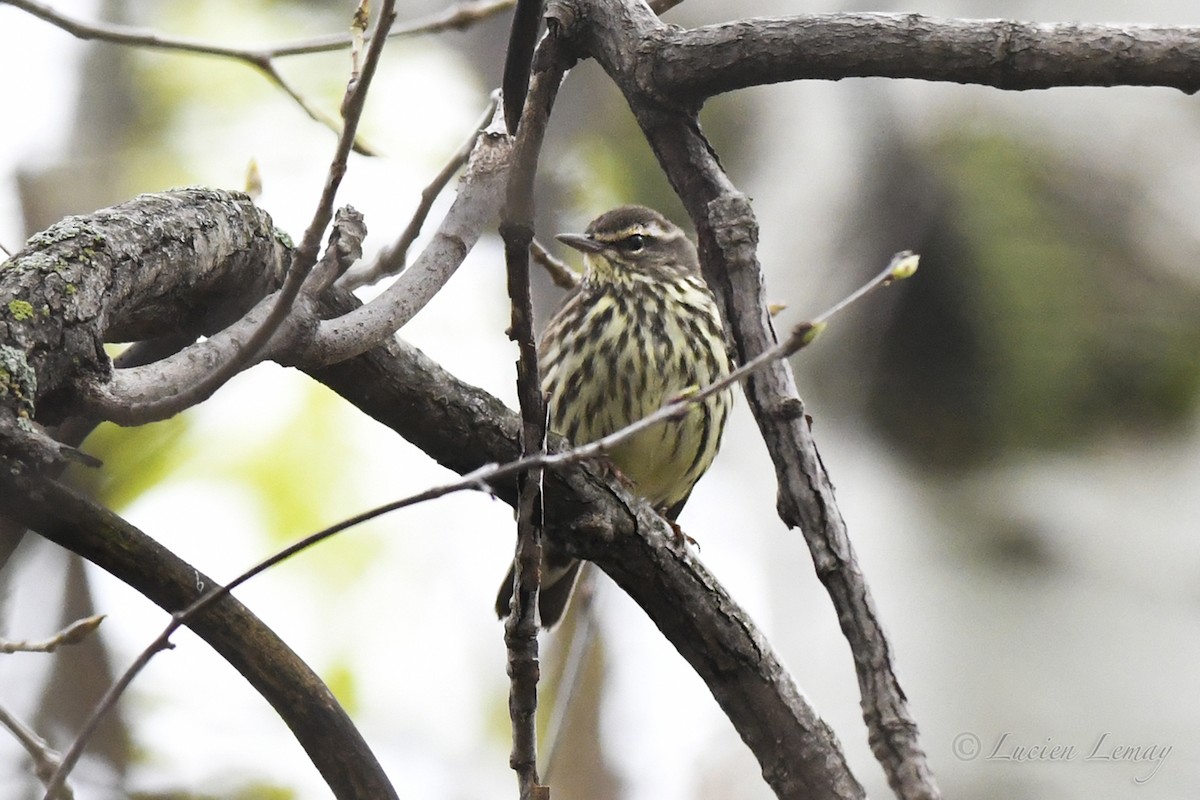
{"points": [[633, 243]]}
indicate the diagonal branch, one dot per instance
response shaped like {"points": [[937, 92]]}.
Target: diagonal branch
{"points": [[392, 259], [479, 198], [303, 260], [456, 17], [45, 760], [623, 37], [302, 700]]}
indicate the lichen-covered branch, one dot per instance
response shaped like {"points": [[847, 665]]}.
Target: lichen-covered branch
{"points": [[192, 261]]}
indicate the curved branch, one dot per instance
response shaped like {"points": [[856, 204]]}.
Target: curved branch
{"points": [[392, 260], [302, 700], [115, 275], [480, 194], [304, 256]]}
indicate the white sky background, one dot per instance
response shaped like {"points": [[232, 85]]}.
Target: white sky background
{"points": [[1110, 646]]}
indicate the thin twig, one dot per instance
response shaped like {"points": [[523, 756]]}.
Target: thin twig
{"points": [[392, 260], [45, 759], [559, 271], [479, 198], [304, 257], [74, 633], [516, 228], [456, 17], [311, 109], [902, 265], [572, 673]]}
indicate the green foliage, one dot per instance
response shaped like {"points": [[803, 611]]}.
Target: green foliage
{"points": [[251, 791], [135, 459], [1040, 318], [298, 471], [341, 680]]}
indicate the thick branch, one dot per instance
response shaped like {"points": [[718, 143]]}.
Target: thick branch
{"points": [[188, 261], [1005, 54], [279, 675]]}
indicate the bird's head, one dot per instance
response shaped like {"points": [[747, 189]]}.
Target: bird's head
{"points": [[631, 243]]}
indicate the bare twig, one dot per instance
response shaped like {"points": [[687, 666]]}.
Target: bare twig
{"points": [[562, 274], [902, 265], [578, 649], [480, 196], [516, 228], [456, 17], [304, 257], [314, 112], [391, 260], [45, 759], [74, 633]]}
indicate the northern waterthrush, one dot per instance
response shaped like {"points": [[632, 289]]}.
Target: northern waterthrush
{"points": [[641, 329]]}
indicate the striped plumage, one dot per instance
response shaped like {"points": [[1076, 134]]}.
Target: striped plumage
{"points": [[641, 329]]}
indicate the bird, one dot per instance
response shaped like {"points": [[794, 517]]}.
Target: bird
{"points": [[640, 329]]}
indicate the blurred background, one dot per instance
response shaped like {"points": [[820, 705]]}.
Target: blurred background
{"points": [[1014, 433]]}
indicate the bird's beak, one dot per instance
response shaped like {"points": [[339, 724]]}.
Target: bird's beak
{"points": [[584, 244]]}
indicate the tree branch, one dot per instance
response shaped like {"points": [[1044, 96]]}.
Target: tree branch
{"points": [[45, 760], [623, 37], [457, 17], [74, 633], [480, 195], [394, 258], [306, 705], [536, 97], [1005, 54], [304, 256], [115, 276]]}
